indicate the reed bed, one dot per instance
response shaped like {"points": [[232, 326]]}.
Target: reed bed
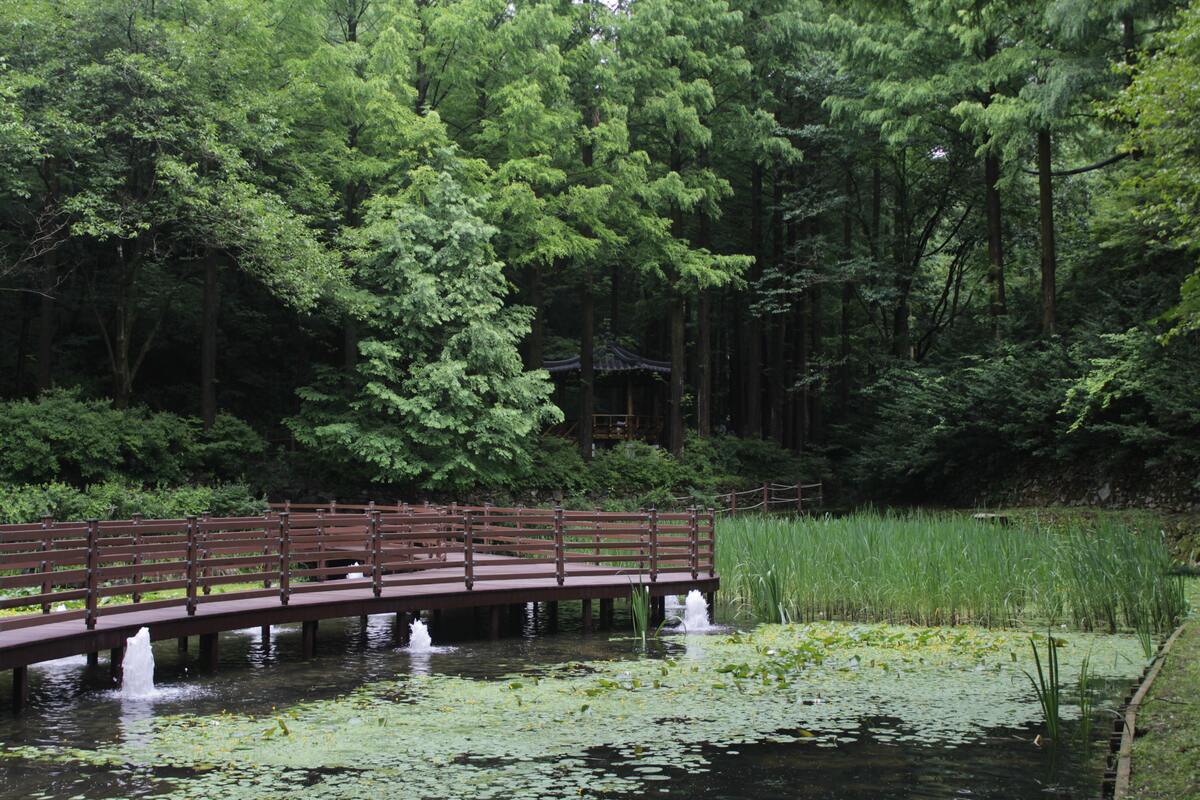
{"points": [[944, 569]]}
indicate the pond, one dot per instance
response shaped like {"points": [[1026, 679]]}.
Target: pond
{"points": [[825, 710]]}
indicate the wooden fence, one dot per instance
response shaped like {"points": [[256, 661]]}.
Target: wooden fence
{"points": [[797, 498], [85, 570]]}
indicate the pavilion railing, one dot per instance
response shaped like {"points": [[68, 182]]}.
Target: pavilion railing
{"points": [[62, 571]]}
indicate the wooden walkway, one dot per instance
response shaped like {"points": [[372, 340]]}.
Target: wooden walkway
{"points": [[410, 561]]}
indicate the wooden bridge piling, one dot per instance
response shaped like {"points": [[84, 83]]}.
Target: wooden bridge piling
{"points": [[20, 687], [209, 651], [586, 612]]}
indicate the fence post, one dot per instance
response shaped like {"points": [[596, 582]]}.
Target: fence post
{"points": [[93, 572], [47, 584], [376, 554], [733, 504], [799, 496], [694, 542], [285, 558], [469, 552], [191, 564], [712, 556], [766, 497], [653, 544], [204, 552], [560, 568], [137, 558]]}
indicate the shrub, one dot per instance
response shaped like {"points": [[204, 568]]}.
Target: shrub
{"points": [[62, 436], [118, 500]]}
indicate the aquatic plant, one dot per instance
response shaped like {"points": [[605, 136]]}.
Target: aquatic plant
{"points": [[1083, 687], [1046, 686], [618, 727], [947, 569], [639, 610]]}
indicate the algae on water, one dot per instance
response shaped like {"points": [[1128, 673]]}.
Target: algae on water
{"points": [[619, 727]]}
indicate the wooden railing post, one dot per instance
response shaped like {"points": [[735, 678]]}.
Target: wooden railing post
{"points": [[137, 559], [376, 554], [733, 504], [469, 552], [47, 584], [92, 574], [694, 542], [712, 553], [653, 523], [766, 497], [285, 558], [560, 567], [204, 551], [192, 554]]}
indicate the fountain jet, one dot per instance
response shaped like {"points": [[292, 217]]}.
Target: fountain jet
{"points": [[137, 667]]}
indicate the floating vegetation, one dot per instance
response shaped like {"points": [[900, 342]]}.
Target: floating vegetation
{"points": [[947, 569], [618, 728]]}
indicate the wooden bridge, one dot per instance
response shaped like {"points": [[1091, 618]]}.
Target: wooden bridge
{"points": [[88, 586]]}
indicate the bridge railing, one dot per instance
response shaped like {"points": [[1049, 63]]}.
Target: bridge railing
{"points": [[63, 571]]}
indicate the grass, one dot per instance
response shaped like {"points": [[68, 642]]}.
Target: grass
{"points": [[1166, 753], [945, 569]]}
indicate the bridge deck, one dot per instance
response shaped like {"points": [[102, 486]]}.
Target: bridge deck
{"points": [[56, 639]]}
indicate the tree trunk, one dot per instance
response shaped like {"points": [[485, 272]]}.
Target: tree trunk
{"points": [[1046, 218], [587, 372], [815, 415], [752, 368], [46, 319], [847, 299], [800, 401], [704, 365], [677, 369], [776, 328], [999, 305], [208, 340]]}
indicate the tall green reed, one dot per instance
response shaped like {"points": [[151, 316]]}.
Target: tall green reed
{"points": [[1047, 686], [945, 569]]}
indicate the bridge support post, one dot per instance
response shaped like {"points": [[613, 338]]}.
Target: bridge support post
{"points": [[606, 613], [209, 651], [93, 658], [435, 621], [494, 622], [116, 663], [308, 638], [182, 644], [265, 635], [516, 617], [587, 615], [552, 615], [400, 630], [711, 599], [20, 687]]}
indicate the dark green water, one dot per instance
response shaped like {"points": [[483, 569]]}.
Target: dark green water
{"points": [[877, 758]]}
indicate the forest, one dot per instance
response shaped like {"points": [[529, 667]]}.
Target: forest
{"points": [[920, 250]]}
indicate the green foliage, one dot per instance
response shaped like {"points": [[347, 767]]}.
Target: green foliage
{"points": [[62, 436], [1163, 102], [115, 499], [440, 398], [1137, 400]]}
